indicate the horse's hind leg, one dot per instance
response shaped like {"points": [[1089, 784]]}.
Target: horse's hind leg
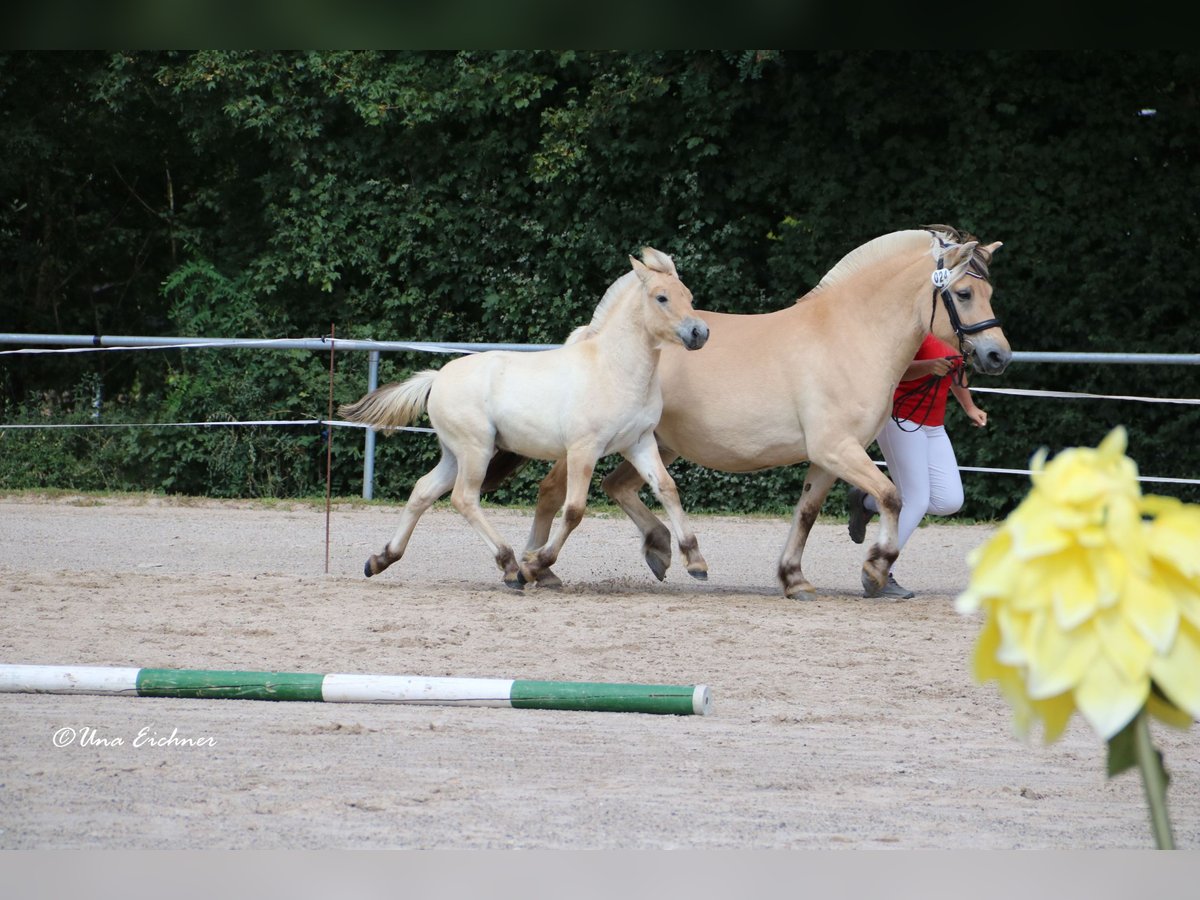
{"points": [[579, 468], [644, 457], [471, 470], [817, 482], [425, 492], [552, 494], [622, 485]]}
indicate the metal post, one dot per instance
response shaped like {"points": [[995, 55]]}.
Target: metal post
{"points": [[369, 446]]}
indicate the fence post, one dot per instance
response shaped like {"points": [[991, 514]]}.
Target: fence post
{"points": [[369, 446]]}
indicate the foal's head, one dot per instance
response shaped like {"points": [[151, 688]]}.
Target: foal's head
{"points": [[667, 301]]}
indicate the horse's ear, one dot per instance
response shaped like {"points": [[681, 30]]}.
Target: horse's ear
{"points": [[639, 267], [993, 247], [959, 254]]}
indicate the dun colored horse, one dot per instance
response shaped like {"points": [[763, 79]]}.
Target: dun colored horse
{"points": [[814, 382], [574, 404]]}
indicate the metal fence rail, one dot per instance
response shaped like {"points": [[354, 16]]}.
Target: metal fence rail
{"points": [[81, 343]]}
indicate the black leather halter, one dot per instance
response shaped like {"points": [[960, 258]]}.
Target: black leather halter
{"points": [[941, 285]]}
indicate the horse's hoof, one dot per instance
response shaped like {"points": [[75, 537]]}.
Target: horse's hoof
{"points": [[658, 565], [870, 587], [699, 574], [799, 593], [514, 580], [547, 579]]}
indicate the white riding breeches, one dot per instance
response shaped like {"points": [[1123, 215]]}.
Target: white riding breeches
{"points": [[920, 461]]}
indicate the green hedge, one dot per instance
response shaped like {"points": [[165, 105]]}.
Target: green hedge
{"points": [[493, 196]]}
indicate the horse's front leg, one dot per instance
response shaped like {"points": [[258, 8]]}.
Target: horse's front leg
{"points": [[552, 494], [645, 458], [855, 467], [817, 482], [623, 485], [537, 562]]}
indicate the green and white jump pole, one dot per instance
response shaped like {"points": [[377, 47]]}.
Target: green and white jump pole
{"points": [[663, 699]]}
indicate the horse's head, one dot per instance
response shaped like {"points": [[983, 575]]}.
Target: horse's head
{"points": [[962, 299], [668, 302]]}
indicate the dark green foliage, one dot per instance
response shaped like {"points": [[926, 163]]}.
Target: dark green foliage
{"points": [[493, 196]]}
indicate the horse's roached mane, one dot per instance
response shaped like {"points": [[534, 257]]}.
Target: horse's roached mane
{"points": [[887, 244]]}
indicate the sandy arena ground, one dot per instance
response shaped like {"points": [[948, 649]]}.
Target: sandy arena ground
{"points": [[837, 723]]}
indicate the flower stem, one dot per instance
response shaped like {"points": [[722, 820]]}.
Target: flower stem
{"points": [[1154, 781]]}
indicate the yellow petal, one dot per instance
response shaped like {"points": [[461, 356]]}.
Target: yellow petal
{"points": [[1074, 589], [1059, 660], [984, 665], [1015, 636], [1177, 673], [1055, 713], [1149, 608], [1168, 712], [1107, 700], [1115, 442], [1123, 646]]}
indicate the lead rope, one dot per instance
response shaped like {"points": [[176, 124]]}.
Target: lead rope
{"points": [[925, 392]]}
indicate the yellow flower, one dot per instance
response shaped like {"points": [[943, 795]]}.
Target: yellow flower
{"points": [[1091, 594]]}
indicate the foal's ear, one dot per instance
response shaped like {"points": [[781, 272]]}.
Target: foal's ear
{"points": [[643, 273], [659, 261]]}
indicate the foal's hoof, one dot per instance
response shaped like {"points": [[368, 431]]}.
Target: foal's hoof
{"points": [[367, 569], [700, 574], [514, 580]]}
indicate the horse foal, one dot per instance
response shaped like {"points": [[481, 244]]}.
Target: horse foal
{"points": [[573, 404]]}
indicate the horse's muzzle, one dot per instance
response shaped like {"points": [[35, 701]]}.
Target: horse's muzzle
{"points": [[693, 333], [990, 359]]}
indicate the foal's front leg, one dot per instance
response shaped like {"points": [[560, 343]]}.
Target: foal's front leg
{"points": [[472, 467], [644, 457], [537, 562]]}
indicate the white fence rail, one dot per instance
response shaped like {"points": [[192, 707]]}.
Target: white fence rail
{"points": [[78, 343]]}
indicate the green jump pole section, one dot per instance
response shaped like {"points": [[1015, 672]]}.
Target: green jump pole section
{"points": [[202, 684]]}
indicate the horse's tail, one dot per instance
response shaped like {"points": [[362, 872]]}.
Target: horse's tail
{"points": [[393, 405]]}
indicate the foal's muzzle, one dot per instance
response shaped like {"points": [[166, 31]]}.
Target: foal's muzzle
{"points": [[693, 333]]}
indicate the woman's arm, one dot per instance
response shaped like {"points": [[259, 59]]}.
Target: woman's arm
{"points": [[962, 394]]}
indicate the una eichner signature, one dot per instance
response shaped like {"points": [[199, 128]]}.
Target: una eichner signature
{"points": [[88, 736]]}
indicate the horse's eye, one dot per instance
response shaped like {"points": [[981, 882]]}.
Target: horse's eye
{"points": [[963, 295], [661, 298]]}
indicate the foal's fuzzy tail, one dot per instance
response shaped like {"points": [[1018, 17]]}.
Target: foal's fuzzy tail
{"points": [[393, 405]]}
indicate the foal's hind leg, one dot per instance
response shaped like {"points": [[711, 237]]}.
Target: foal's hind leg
{"points": [[425, 492], [623, 485], [644, 457], [817, 482]]}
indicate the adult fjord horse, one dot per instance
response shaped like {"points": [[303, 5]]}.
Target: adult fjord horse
{"points": [[574, 404], [814, 382]]}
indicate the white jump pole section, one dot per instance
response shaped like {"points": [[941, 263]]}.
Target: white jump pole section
{"points": [[663, 699]]}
